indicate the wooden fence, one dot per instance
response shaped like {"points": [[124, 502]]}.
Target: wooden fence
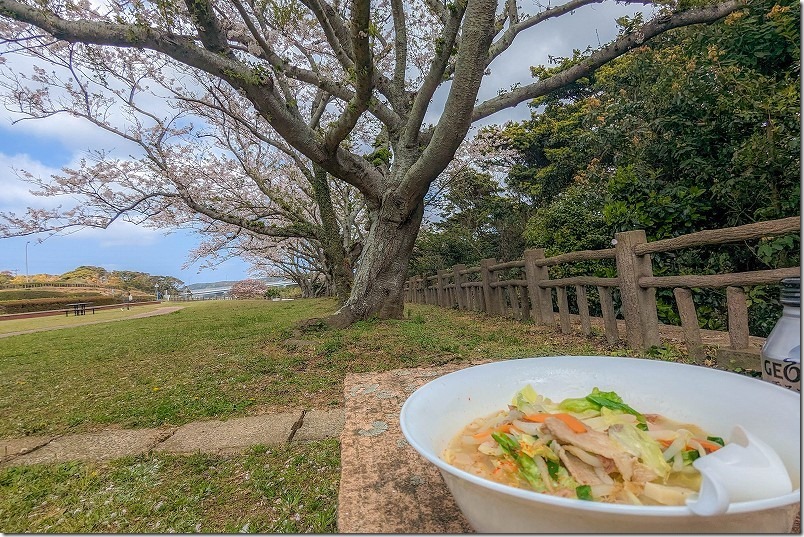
{"points": [[528, 294]]}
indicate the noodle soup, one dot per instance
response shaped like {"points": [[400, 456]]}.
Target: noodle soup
{"points": [[594, 447]]}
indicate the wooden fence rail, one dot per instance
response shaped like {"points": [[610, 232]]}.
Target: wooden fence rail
{"points": [[523, 289]]}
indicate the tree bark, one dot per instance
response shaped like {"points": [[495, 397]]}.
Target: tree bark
{"points": [[382, 269], [335, 256]]}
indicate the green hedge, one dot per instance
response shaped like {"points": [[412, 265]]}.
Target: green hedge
{"points": [[29, 294], [46, 304]]}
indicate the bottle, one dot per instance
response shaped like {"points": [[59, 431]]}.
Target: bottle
{"points": [[781, 353]]}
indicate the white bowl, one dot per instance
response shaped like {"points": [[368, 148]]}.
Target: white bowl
{"points": [[715, 400]]}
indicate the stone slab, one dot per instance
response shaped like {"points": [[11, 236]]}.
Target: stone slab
{"points": [[745, 358], [14, 447], [101, 445], [320, 424], [232, 435], [386, 486]]}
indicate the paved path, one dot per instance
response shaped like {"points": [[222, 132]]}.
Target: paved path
{"points": [[213, 436], [159, 311]]}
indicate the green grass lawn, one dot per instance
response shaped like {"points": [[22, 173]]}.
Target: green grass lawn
{"points": [[215, 359], [277, 489], [49, 322]]}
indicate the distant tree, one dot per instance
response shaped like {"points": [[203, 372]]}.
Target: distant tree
{"points": [[272, 292], [248, 289], [85, 274], [475, 220]]}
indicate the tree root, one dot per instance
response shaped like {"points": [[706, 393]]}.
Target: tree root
{"points": [[344, 318]]}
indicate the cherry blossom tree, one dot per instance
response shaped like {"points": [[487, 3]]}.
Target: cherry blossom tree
{"points": [[228, 180], [250, 288], [346, 85]]}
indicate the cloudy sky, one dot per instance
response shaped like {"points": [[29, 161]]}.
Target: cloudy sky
{"points": [[43, 147]]}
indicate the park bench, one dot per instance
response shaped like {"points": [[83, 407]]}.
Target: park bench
{"points": [[79, 308]]}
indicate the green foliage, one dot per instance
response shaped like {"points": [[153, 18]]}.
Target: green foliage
{"points": [[697, 129], [125, 279], [574, 221], [284, 13], [272, 292], [477, 222]]}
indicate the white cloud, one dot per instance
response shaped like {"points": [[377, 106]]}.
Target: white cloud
{"points": [[589, 26], [76, 135], [15, 193], [119, 233]]}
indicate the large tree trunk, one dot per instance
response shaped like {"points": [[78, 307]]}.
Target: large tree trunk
{"points": [[377, 289], [332, 241]]}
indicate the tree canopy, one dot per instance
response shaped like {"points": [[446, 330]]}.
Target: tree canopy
{"points": [[698, 129], [348, 86]]}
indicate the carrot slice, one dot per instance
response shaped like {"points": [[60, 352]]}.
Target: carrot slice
{"points": [[504, 428], [572, 422], [708, 445]]}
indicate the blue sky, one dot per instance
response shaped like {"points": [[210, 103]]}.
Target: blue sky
{"points": [[42, 147]]}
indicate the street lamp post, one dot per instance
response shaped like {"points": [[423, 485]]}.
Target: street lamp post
{"points": [[26, 260], [156, 290]]}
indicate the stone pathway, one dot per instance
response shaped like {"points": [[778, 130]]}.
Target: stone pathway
{"points": [[159, 311], [213, 436]]}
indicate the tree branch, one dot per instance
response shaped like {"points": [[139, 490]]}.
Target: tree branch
{"points": [[435, 75], [478, 29], [400, 50], [258, 88], [619, 47], [209, 29], [363, 74]]}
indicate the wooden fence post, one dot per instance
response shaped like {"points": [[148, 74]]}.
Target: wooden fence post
{"points": [[425, 289], [563, 310], [583, 309], [541, 298], [420, 290], [513, 296], [689, 323], [499, 296], [738, 317], [639, 305], [523, 294], [460, 297], [441, 299], [488, 291], [609, 316]]}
